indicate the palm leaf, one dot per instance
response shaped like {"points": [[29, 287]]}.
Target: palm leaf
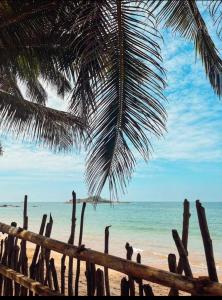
{"points": [[86, 52], [55, 129], [184, 17], [129, 101], [1, 149], [215, 8]]}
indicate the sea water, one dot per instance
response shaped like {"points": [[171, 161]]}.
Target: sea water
{"points": [[146, 226]]}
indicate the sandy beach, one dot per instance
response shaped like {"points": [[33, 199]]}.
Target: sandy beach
{"points": [[115, 277]]}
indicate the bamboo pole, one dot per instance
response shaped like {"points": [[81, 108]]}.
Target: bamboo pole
{"points": [[135, 270], [208, 244], [100, 288], [80, 244], [183, 255], [129, 257], [71, 242], [125, 288], [185, 235], [27, 283], [106, 271], [172, 261]]}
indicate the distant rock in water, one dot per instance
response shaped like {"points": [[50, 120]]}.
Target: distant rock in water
{"points": [[7, 206], [93, 200]]}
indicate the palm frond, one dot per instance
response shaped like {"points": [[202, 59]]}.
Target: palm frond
{"points": [[1, 149], [129, 101], [55, 129], [86, 52], [184, 17], [215, 8], [35, 91]]}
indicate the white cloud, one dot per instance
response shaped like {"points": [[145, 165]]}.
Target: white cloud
{"points": [[20, 159]]}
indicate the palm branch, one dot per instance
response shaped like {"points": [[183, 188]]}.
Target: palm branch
{"points": [[129, 100], [185, 18], [55, 129], [1, 150], [215, 8]]}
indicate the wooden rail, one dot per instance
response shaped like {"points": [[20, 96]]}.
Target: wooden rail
{"points": [[27, 283], [138, 271]]}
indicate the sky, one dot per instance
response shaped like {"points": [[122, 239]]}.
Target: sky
{"points": [[186, 163]]}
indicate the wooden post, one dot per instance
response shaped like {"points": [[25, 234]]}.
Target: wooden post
{"points": [[4, 262], [16, 267], [125, 288], [37, 249], [208, 244], [172, 261], [100, 288], [140, 282], [23, 257], [148, 291], [10, 262], [183, 254], [45, 253], [129, 257], [1, 251], [91, 279], [54, 275], [106, 270], [71, 242], [185, 235], [63, 272], [80, 244]]}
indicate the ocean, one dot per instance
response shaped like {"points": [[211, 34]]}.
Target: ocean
{"points": [[146, 226]]}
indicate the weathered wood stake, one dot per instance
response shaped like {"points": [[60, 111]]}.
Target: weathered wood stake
{"points": [[106, 270], [23, 257], [80, 244], [45, 253], [100, 288], [63, 272], [91, 279], [140, 281], [37, 249], [125, 288], [71, 242], [185, 235], [208, 244], [54, 275], [183, 254], [129, 257], [172, 261], [148, 291]]}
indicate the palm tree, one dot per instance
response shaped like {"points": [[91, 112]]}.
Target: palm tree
{"points": [[105, 54]]}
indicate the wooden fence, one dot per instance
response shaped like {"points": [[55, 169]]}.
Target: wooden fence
{"points": [[21, 277]]}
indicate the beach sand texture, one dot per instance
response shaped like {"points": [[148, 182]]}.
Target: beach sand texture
{"points": [[115, 277]]}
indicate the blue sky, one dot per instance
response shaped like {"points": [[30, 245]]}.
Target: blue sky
{"points": [[186, 163]]}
